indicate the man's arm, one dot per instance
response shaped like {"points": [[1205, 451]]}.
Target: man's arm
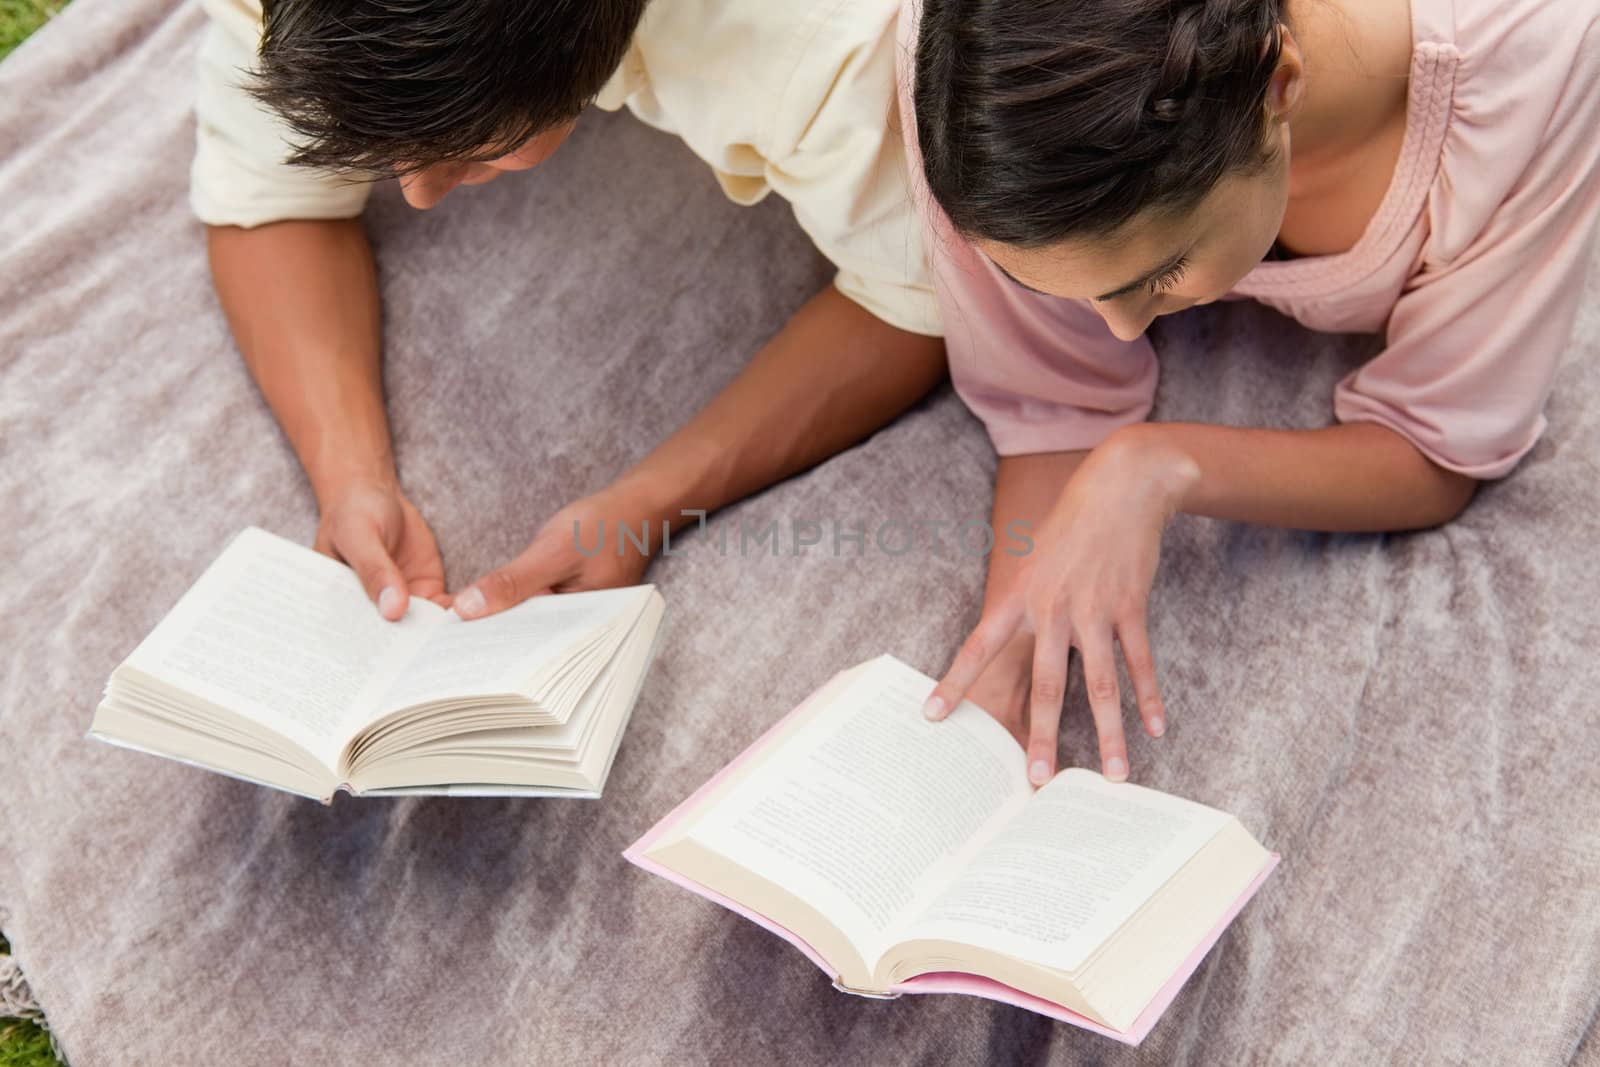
{"points": [[302, 300], [830, 378], [834, 375]]}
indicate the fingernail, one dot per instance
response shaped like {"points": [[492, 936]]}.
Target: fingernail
{"points": [[470, 605], [1116, 768], [1039, 773], [390, 600], [934, 708], [1158, 726]]}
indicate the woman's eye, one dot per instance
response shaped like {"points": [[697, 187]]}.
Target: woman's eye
{"points": [[1168, 280]]}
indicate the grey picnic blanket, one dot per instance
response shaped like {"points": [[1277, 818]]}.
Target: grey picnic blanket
{"points": [[1412, 721]]}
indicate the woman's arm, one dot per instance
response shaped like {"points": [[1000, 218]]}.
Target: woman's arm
{"points": [[1356, 477], [1088, 579], [1025, 489]]}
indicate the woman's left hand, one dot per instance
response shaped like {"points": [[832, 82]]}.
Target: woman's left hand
{"points": [[1086, 584]]}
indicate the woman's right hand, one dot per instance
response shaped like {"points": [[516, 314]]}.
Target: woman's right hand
{"points": [[369, 524], [1086, 586], [1002, 688]]}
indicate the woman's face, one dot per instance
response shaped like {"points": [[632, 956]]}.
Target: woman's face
{"points": [[1156, 265]]}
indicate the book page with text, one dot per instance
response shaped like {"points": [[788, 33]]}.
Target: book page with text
{"points": [[1071, 868], [499, 653], [284, 637], [866, 810]]}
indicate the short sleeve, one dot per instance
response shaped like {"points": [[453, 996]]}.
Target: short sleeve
{"points": [[844, 173], [1043, 373], [239, 177], [1473, 343]]}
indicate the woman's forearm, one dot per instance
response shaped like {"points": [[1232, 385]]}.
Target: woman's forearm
{"points": [[301, 298], [1025, 489], [1356, 477]]}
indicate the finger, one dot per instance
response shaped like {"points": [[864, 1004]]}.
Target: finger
{"points": [[362, 548], [429, 589], [424, 571], [1135, 643], [1105, 698], [418, 558], [979, 650], [1049, 687], [537, 571], [1002, 689]]}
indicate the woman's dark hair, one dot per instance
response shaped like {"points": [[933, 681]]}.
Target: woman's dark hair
{"points": [[395, 85], [1042, 120]]}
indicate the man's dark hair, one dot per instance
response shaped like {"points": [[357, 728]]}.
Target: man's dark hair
{"points": [[1043, 120], [396, 85]]}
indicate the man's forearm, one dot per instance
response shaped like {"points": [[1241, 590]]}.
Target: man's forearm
{"points": [[302, 300], [833, 376], [1357, 477]]}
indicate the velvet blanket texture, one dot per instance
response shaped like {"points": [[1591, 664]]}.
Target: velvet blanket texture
{"points": [[1412, 721]]}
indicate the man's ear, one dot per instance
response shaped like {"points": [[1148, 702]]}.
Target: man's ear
{"points": [[1286, 87]]}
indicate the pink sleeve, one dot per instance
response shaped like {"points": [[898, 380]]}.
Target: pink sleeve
{"points": [[1475, 340], [1044, 374]]}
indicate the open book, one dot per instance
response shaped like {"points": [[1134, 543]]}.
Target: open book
{"points": [[276, 668], [904, 856]]}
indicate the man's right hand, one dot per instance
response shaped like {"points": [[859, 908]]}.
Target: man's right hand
{"points": [[370, 525]]}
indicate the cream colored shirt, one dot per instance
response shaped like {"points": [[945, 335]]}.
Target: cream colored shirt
{"points": [[796, 96]]}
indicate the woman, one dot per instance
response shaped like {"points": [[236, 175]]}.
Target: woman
{"points": [[1426, 171]]}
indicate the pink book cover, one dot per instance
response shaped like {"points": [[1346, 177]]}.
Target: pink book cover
{"points": [[946, 981]]}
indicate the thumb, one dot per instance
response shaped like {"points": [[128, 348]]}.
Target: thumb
{"points": [[363, 550], [531, 574]]}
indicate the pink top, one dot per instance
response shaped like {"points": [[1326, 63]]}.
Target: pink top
{"points": [[1472, 267]]}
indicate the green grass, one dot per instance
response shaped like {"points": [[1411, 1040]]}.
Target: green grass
{"points": [[18, 18], [23, 1043]]}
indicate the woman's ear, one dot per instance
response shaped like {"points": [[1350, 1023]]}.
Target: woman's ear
{"points": [[1287, 85]]}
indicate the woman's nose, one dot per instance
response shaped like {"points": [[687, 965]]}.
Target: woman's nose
{"points": [[1127, 317]]}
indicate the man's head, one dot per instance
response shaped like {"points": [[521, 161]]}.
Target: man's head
{"points": [[438, 92]]}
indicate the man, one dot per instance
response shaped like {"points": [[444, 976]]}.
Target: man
{"points": [[796, 97]]}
